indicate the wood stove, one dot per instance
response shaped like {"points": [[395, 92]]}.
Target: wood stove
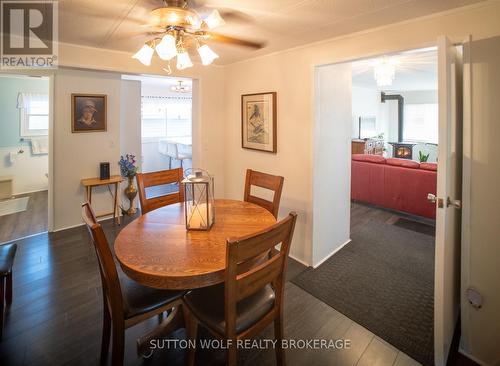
{"points": [[402, 150]]}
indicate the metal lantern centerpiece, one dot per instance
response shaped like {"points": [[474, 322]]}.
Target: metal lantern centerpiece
{"points": [[199, 200]]}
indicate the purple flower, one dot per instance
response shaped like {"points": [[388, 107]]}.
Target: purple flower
{"points": [[127, 165]]}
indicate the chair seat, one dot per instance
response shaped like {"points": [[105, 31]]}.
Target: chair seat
{"points": [[207, 304], [7, 254], [183, 156], [139, 299]]}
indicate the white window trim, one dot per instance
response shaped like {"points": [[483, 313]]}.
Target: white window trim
{"points": [[24, 120]]}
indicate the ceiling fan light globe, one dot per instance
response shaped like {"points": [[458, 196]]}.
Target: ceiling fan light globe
{"points": [[144, 55], [214, 19], [183, 61], [166, 49], [207, 55]]}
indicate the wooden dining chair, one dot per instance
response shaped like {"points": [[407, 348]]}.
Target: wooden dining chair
{"points": [[251, 297], [267, 181], [160, 178], [125, 302]]}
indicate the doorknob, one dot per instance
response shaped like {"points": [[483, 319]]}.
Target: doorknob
{"points": [[432, 198], [455, 203]]}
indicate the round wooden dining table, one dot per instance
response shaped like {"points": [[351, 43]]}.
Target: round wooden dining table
{"points": [[156, 250]]}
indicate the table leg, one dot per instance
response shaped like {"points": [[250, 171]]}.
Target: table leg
{"points": [[90, 195]]}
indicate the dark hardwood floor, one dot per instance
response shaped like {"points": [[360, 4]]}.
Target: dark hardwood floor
{"points": [[55, 318], [32, 221]]}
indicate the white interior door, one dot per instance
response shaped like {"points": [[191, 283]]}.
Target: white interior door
{"points": [[448, 215]]}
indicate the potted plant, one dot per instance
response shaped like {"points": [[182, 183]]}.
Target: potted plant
{"points": [[423, 157], [128, 169]]}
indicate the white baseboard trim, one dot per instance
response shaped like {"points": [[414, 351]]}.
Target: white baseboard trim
{"points": [[67, 228], [104, 218], [299, 260], [468, 355], [332, 253]]}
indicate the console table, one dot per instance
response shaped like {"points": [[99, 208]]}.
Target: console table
{"points": [[115, 180], [368, 146]]}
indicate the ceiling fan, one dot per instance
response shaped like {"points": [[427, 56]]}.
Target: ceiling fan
{"points": [[178, 28]]}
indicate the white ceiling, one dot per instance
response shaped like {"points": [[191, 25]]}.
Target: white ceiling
{"points": [[116, 24], [415, 70]]}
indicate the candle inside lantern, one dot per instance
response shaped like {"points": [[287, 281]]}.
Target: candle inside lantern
{"points": [[199, 200], [199, 217]]}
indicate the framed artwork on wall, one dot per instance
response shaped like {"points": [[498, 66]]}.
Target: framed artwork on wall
{"points": [[258, 122], [88, 113]]}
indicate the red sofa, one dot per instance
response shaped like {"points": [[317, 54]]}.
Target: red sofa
{"points": [[398, 184]]}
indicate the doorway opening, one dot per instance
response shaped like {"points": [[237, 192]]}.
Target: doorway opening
{"points": [[24, 147], [166, 123], [374, 245], [166, 131]]}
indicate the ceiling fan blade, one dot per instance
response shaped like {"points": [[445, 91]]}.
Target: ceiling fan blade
{"points": [[216, 37], [234, 16]]}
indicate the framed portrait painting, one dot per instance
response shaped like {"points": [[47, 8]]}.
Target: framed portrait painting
{"points": [[88, 112], [258, 122]]}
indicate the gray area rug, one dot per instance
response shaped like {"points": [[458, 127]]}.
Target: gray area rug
{"points": [[383, 280]]}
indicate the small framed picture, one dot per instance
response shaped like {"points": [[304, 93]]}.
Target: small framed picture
{"points": [[258, 122], [88, 112]]}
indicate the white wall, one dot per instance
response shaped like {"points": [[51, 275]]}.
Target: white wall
{"points": [[130, 126], [366, 103], [332, 161], [77, 155]]}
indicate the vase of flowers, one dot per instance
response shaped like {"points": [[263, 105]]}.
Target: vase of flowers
{"points": [[128, 169]]}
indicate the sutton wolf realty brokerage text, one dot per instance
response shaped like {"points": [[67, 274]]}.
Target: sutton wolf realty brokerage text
{"points": [[313, 344]]}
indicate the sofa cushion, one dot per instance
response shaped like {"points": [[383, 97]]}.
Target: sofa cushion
{"points": [[429, 166], [403, 162], [370, 158]]}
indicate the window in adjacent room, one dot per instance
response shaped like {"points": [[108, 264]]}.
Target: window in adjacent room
{"points": [[34, 114], [166, 117], [421, 123]]}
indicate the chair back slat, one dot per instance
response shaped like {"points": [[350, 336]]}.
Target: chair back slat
{"points": [[146, 180], [239, 251], [109, 275], [258, 277], [251, 246], [267, 181]]}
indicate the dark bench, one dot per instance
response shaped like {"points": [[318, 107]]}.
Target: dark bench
{"points": [[7, 254]]}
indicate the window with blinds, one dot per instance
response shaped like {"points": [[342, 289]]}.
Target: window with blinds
{"points": [[421, 123], [166, 117]]}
